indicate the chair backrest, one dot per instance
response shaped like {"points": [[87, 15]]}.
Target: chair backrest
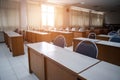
{"points": [[118, 31], [60, 41], [115, 38], [112, 33], [92, 35], [87, 48]]}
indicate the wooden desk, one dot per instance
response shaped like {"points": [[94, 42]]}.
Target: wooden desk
{"points": [[68, 36], [79, 34], [103, 37], [35, 36], [57, 63], [109, 51], [43, 37], [77, 40], [97, 31], [102, 71], [54, 34], [15, 42]]}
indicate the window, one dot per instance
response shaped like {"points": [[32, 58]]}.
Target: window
{"points": [[47, 15]]}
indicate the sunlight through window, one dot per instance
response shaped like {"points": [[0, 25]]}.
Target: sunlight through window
{"points": [[47, 15]]}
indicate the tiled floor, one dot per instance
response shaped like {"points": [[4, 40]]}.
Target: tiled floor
{"points": [[15, 68]]}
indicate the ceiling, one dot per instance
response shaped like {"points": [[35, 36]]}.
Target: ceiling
{"points": [[99, 5]]}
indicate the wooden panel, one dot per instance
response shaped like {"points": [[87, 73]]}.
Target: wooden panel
{"points": [[33, 37], [75, 43], [43, 37], [68, 38], [97, 31], [54, 71], [46, 38], [79, 34], [87, 32], [36, 64], [29, 36], [109, 54], [54, 35], [102, 38], [17, 46]]}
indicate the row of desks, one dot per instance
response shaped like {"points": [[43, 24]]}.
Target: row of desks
{"points": [[15, 43], [107, 51], [50, 62], [35, 36]]}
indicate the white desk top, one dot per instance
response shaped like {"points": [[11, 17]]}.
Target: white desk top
{"points": [[12, 34], [102, 35], [108, 43], [71, 60], [93, 40], [102, 71]]}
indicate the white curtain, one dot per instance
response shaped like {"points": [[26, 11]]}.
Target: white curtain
{"points": [[59, 17], [33, 15], [79, 18], [97, 19], [9, 15]]}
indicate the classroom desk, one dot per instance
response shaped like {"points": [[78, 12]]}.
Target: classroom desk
{"points": [[102, 71], [35, 36], [77, 40], [79, 34], [109, 51], [103, 37], [68, 36], [97, 31], [50, 62], [15, 43]]}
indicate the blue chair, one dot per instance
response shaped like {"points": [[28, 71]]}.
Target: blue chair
{"points": [[87, 48], [92, 35], [60, 41], [112, 33], [118, 31], [115, 38]]}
